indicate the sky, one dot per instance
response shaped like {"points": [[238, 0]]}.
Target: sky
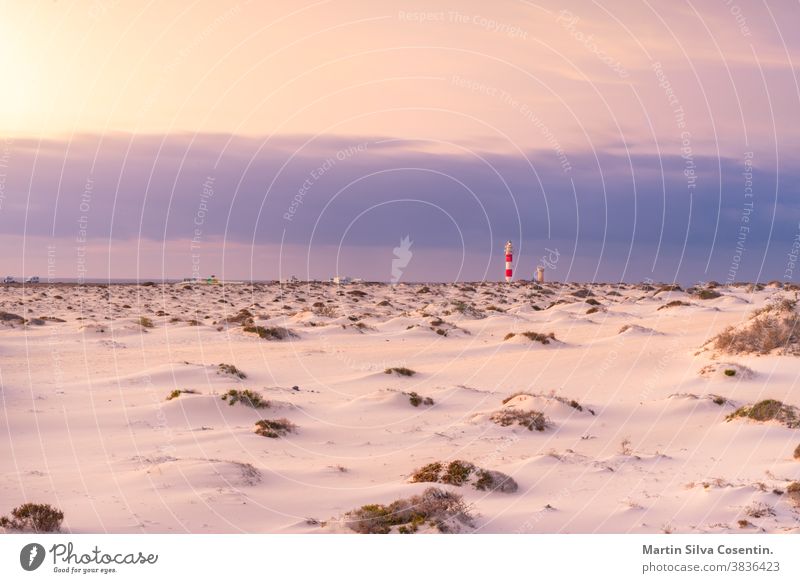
{"points": [[608, 140]]}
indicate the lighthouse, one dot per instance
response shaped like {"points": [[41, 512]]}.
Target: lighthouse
{"points": [[509, 259]]}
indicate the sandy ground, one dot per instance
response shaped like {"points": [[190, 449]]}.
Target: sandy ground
{"points": [[86, 424]]}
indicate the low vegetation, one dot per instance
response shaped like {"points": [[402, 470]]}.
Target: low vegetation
{"points": [[674, 304], [439, 509], [416, 399], [246, 397], [769, 410], [274, 428], [231, 370], [528, 419], [533, 336], [773, 327], [401, 371], [569, 402], [178, 392], [459, 473], [270, 333], [146, 322], [32, 517], [797, 452], [793, 492]]}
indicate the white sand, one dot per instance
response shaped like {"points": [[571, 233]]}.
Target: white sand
{"points": [[86, 425]]}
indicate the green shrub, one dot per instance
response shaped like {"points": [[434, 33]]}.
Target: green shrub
{"points": [[33, 517], [439, 508], [457, 472], [729, 372], [274, 428], [401, 370], [245, 397], [428, 473], [145, 322], [769, 410]]}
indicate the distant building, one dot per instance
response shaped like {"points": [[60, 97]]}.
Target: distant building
{"points": [[540, 275], [341, 279]]}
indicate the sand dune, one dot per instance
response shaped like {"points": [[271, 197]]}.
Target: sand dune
{"points": [[638, 431]]}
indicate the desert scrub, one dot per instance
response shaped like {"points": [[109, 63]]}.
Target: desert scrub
{"points": [[533, 336], [708, 294], [178, 392], [793, 492], [245, 397], [445, 511], [270, 333], [145, 322], [231, 370], [274, 428], [33, 517], [674, 304], [416, 399], [797, 452], [528, 419], [569, 402], [768, 410], [729, 372], [775, 326], [401, 371], [459, 473], [428, 473]]}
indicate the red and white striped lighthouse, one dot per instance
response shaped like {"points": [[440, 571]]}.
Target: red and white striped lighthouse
{"points": [[509, 259]]}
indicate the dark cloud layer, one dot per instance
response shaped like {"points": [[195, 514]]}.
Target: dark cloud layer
{"points": [[617, 216]]}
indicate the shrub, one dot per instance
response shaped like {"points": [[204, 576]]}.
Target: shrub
{"points": [[774, 326], [245, 397], [592, 310], [416, 399], [768, 410], [271, 333], [797, 452], [401, 371], [729, 372], [495, 482], [534, 336], [674, 304], [178, 392], [34, 517], [145, 322], [230, 369], [793, 492], [274, 428], [457, 473], [429, 473], [244, 317], [441, 509], [529, 419], [708, 294]]}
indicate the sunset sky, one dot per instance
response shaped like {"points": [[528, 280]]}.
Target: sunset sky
{"points": [[267, 139]]}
